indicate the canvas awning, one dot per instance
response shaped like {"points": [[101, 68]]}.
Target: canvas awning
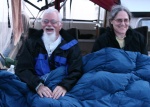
{"points": [[106, 4]]}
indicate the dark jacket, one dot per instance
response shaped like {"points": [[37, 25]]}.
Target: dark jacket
{"points": [[66, 54], [134, 41]]}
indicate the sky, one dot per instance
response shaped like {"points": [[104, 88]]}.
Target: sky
{"points": [[81, 9], [137, 5], [4, 10]]}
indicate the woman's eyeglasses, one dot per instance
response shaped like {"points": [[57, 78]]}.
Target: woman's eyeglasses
{"points": [[122, 20]]}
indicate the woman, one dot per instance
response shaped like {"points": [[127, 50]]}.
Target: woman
{"points": [[119, 34]]}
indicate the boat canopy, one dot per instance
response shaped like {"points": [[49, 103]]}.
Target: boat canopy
{"points": [[106, 4]]}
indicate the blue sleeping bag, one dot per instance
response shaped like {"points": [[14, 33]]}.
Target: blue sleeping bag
{"points": [[112, 78]]}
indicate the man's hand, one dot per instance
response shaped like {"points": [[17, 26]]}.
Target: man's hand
{"points": [[44, 91], [59, 91]]}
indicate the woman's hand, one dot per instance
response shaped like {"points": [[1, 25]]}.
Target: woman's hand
{"points": [[59, 91]]}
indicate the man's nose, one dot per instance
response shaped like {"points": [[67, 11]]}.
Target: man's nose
{"points": [[49, 24]]}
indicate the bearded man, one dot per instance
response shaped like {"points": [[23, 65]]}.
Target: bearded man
{"points": [[47, 55]]}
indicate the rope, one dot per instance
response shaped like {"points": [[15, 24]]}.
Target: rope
{"points": [[8, 15]]}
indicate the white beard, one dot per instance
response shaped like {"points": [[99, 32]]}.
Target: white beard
{"points": [[50, 37]]}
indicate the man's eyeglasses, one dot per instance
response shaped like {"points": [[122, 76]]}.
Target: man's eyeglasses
{"points": [[46, 21], [122, 20]]}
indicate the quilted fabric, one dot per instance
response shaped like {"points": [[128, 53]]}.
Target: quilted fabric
{"points": [[112, 78]]}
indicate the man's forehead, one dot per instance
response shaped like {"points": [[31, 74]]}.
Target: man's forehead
{"points": [[52, 15]]}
